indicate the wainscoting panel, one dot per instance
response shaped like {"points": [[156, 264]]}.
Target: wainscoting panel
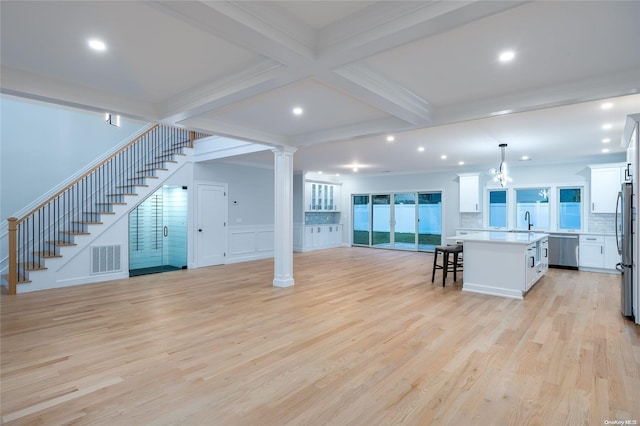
{"points": [[250, 242]]}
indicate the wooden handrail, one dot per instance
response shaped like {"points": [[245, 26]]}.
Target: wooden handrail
{"points": [[13, 253], [86, 174]]}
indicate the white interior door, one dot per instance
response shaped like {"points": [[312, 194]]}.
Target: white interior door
{"points": [[212, 225]]}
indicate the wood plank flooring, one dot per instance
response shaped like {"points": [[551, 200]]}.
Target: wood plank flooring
{"points": [[363, 338]]}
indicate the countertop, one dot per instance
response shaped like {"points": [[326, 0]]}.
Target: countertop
{"points": [[503, 237], [606, 234]]}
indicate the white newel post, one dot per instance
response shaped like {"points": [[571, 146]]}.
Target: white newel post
{"points": [[283, 228]]}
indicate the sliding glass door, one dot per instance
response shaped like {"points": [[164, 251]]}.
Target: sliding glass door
{"points": [[429, 220], [381, 220], [404, 221], [407, 220]]}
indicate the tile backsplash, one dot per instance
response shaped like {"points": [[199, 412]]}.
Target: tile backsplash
{"points": [[604, 223], [321, 218], [470, 220]]}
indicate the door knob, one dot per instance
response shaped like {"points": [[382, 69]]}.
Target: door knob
{"points": [[199, 230]]}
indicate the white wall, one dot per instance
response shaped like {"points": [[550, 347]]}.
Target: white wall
{"points": [[250, 191], [41, 145]]}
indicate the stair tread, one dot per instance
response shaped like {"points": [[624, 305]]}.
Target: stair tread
{"points": [[46, 254], [111, 203], [6, 277], [98, 212], [30, 266], [133, 184], [61, 243], [85, 222], [119, 195], [144, 177], [151, 170], [76, 233]]}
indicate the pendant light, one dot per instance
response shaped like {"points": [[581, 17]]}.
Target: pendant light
{"points": [[502, 174]]}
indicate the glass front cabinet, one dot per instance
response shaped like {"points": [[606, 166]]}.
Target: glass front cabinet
{"points": [[321, 197]]}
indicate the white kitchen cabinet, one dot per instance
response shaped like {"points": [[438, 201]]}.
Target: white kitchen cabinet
{"points": [[531, 263], [605, 185], [543, 255], [321, 197], [469, 193], [322, 236], [591, 251], [611, 255]]}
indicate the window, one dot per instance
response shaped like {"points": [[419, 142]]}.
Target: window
{"points": [[534, 201], [570, 212], [498, 208]]}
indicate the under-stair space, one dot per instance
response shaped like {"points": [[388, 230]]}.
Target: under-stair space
{"points": [[158, 232], [69, 221]]}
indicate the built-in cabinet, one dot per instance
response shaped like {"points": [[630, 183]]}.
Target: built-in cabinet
{"points": [[605, 185], [321, 197], [536, 262], [470, 200], [598, 252], [322, 236]]}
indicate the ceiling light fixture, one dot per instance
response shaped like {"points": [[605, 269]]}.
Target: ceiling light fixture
{"points": [[607, 105], [502, 174], [443, 157], [606, 126], [460, 163], [297, 111], [606, 140], [355, 169], [605, 150], [507, 56], [420, 149], [112, 120], [390, 138], [98, 45], [525, 158]]}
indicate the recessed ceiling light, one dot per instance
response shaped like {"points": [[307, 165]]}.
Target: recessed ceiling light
{"points": [[607, 105], [460, 163], [606, 140], [420, 149], [443, 157], [98, 45], [297, 111], [606, 126], [605, 150], [337, 174], [507, 56], [355, 169], [390, 138], [320, 172], [524, 158]]}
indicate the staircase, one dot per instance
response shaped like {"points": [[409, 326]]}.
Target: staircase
{"points": [[63, 225]]}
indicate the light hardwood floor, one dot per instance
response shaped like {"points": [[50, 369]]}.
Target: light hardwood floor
{"points": [[363, 338]]}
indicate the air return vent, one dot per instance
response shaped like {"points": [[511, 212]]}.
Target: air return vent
{"points": [[105, 259]]}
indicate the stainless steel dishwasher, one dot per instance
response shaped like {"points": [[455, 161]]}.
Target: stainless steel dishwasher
{"points": [[563, 251]]}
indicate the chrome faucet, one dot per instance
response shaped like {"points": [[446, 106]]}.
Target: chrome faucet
{"points": [[527, 217]]}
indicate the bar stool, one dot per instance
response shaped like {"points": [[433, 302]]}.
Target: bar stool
{"points": [[447, 265]]}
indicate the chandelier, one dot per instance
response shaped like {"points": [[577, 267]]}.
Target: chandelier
{"points": [[501, 175]]}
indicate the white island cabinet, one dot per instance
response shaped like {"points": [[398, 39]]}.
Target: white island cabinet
{"points": [[503, 264]]}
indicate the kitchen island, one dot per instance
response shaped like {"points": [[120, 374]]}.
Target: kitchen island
{"points": [[503, 264]]}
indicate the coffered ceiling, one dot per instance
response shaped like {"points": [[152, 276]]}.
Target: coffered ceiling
{"points": [[425, 72]]}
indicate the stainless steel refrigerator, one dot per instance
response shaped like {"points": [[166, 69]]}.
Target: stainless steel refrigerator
{"points": [[624, 236]]}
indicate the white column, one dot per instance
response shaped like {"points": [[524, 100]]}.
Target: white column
{"points": [[283, 229]]}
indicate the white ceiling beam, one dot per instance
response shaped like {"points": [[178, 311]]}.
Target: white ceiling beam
{"points": [[358, 130]]}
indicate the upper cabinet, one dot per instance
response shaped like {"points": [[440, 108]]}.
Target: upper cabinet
{"points": [[470, 193], [605, 185], [323, 197]]}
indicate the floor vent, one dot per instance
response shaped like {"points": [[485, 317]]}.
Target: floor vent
{"points": [[105, 259]]}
